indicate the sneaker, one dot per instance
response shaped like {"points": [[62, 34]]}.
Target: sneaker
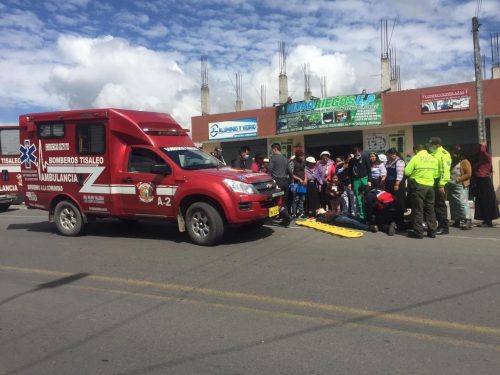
{"points": [[464, 225], [392, 229], [456, 224], [431, 235], [373, 228]]}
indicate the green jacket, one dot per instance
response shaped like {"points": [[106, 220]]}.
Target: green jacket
{"points": [[444, 164], [423, 168]]}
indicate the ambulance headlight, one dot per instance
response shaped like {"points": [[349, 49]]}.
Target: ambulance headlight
{"points": [[240, 187]]}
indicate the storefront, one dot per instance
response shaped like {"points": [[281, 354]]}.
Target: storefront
{"points": [[338, 143], [463, 133], [374, 121]]}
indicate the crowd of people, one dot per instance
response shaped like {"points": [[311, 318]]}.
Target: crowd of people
{"points": [[374, 191]]}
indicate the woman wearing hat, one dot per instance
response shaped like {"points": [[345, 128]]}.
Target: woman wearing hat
{"points": [[314, 184], [326, 168]]}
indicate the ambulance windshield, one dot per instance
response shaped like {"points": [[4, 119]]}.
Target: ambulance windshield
{"points": [[191, 158]]}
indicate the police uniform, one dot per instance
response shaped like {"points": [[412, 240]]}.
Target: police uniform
{"points": [[422, 170], [444, 164]]}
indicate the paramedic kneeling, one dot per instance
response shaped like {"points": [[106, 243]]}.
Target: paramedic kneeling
{"points": [[383, 210]]}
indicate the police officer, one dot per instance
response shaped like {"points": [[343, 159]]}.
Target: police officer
{"points": [[421, 171], [444, 164]]}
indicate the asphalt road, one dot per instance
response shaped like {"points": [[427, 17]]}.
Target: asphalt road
{"points": [[142, 300]]}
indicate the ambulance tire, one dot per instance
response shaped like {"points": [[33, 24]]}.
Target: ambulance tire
{"points": [[4, 207], [68, 218], [204, 224]]}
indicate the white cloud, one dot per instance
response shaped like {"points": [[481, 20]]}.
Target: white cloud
{"points": [[340, 39], [109, 72]]}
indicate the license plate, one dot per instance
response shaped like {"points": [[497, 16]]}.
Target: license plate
{"points": [[274, 211]]}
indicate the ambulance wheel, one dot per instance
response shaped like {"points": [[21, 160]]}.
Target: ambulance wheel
{"points": [[204, 224], [68, 219], [4, 207]]}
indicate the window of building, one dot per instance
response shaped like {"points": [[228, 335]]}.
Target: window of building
{"points": [[142, 159], [91, 138], [49, 130]]}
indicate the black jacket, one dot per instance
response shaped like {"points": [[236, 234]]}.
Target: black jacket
{"points": [[359, 168]]}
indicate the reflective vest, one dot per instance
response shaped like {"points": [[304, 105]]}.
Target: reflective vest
{"points": [[444, 164], [423, 168]]}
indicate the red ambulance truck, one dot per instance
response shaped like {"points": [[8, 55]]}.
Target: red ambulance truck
{"points": [[87, 164], [10, 178]]}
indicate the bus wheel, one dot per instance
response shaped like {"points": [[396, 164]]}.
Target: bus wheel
{"points": [[68, 219], [4, 207], [204, 224]]}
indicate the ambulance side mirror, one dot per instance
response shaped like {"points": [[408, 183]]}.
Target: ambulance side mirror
{"points": [[163, 169]]}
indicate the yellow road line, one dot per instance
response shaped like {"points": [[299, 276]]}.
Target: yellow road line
{"points": [[326, 322], [368, 314]]}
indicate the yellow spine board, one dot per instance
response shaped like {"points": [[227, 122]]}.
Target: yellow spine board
{"points": [[331, 229]]}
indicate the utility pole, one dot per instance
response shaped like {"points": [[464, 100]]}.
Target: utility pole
{"points": [[481, 127]]}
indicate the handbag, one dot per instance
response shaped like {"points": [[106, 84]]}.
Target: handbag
{"points": [[301, 189]]}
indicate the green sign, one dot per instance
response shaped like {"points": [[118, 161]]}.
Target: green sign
{"points": [[332, 112]]}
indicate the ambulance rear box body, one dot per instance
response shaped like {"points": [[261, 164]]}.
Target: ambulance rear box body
{"points": [[10, 177], [88, 164]]}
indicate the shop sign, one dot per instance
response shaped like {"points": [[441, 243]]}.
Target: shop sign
{"points": [[234, 129], [332, 112], [445, 101], [376, 142]]}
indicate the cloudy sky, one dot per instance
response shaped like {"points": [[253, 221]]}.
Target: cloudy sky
{"points": [[145, 54]]}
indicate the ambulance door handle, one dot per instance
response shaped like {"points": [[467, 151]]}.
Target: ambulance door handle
{"points": [[128, 179]]}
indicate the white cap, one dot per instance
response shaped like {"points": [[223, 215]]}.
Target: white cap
{"points": [[324, 153], [382, 158], [310, 159], [266, 160]]}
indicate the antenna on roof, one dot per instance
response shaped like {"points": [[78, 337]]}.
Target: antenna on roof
{"points": [[263, 96], [307, 81], [205, 91], [324, 93], [495, 56], [283, 80], [384, 40], [239, 100], [282, 57]]}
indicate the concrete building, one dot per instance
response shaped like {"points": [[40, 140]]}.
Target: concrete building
{"points": [[407, 117]]}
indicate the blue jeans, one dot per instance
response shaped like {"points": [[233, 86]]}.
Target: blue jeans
{"points": [[350, 221], [298, 203], [348, 202]]}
